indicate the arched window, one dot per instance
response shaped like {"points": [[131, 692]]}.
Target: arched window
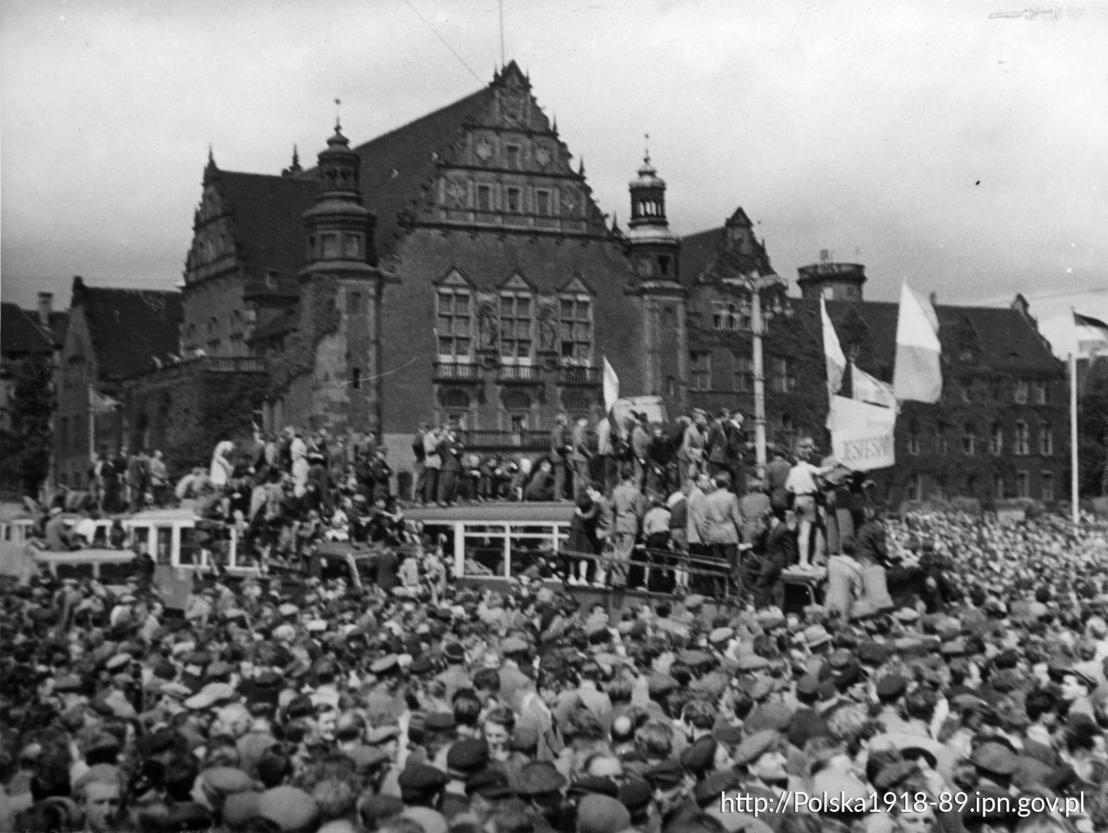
{"points": [[996, 440], [913, 438], [517, 405], [969, 439], [455, 405]]}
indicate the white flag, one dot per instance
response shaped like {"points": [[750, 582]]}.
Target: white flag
{"points": [[862, 435], [611, 386], [832, 351], [870, 389], [917, 375]]}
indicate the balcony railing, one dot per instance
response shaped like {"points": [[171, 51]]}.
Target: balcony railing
{"points": [[571, 375], [518, 373], [458, 371], [524, 440], [233, 364]]}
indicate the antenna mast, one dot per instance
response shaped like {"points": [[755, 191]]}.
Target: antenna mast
{"points": [[501, 33]]}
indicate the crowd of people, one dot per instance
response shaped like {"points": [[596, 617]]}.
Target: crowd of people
{"points": [[312, 708], [954, 676]]}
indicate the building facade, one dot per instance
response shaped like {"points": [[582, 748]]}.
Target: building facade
{"points": [[458, 269]]}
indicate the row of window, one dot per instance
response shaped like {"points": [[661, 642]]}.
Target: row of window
{"points": [[515, 333], [1024, 392], [518, 413], [509, 199], [781, 377], [731, 316], [971, 443], [1002, 488]]}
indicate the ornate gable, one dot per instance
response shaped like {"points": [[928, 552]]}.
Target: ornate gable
{"points": [[509, 169], [575, 286], [214, 247], [516, 282], [455, 278]]}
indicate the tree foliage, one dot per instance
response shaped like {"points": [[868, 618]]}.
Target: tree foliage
{"points": [[25, 456], [1092, 428]]}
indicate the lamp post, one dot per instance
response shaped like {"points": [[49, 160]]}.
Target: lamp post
{"points": [[756, 283]]}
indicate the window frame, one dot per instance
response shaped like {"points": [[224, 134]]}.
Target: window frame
{"points": [[454, 355]]}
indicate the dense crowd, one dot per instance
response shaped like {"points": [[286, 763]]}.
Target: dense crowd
{"points": [[977, 701], [954, 677]]}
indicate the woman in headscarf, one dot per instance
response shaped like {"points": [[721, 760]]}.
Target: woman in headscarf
{"points": [[221, 468]]}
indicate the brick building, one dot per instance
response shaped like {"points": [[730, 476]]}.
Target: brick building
{"points": [[113, 334], [458, 269]]}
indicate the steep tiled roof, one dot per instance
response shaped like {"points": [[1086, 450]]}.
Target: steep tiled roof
{"points": [[128, 326], [267, 213], [1007, 341], [712, 254], [395, 166], [20, 334], [398, 164]]}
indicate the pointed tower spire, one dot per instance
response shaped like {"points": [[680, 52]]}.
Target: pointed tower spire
{"points": [[211, 170], [294, 169], [581, 167]]}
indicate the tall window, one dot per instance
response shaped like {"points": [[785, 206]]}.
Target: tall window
{"points": [[515, 326], [783, 379], [542, 202], [1046, 439], [941, 444], [1046, 486], [514, 200], [1023, 484], [1038, 393], [700, 371], [913, 439], [576, 321], [915, 487], [454, 326], [1021, 393], [484, 198], [512, 152], [996, 440], [999, 487], [517, 405], [969, 439], [1023, 443], [455, 405], [744, 374]]}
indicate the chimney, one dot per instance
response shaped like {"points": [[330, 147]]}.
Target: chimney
{"points": [[934, 299], [824, 255], [45, 307]]}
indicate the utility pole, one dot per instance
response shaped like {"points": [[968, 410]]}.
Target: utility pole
{"points": [[756, 283]]}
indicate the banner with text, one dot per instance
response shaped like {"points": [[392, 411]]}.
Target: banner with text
{"points": [[862, 434]]}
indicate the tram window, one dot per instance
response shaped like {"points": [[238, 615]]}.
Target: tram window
{"points": [[164, 544], [114, 572], [75, 571], [189, 549], [141, 534]]}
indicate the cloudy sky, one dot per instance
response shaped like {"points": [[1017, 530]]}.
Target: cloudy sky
{"points": [[958, 145]]}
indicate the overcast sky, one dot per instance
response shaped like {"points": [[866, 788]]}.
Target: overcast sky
{"points": [[961, 146]]}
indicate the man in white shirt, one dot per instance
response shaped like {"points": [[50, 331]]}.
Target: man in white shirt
{"points": [[801, 483]]}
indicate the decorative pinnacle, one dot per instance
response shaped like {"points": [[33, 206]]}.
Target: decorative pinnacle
{"points": [[646, 144], [338, 113]]}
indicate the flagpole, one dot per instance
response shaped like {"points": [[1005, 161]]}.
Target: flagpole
{"points": [[1073, 437], [91, 427]]}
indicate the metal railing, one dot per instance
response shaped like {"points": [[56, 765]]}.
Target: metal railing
{"points": [[458, 371], [518, 373]]}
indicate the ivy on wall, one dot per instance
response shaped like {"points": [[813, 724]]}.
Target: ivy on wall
{"points": [[319, 317]]}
